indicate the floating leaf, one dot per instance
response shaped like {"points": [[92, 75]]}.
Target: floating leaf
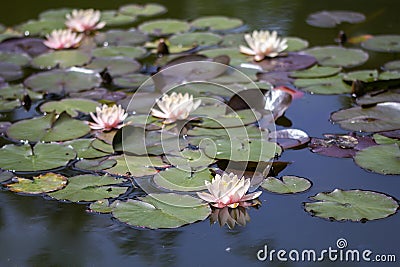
{"points": [[189, 159], [95, 164], [216, 23], [330, 19], [101, 206], [41, 157], [337, 56], [25, 45], [290, 138], [40, 184], [89, 188], [164, 27], [326, 86], [17, 91], [60, 59], [182, 180], [147, 10], [133, 80], [114, 18], [62, 81], [119, 51], [353, 205], [361, 75], [382, 117], [55, 14], [48, 128], [193, 39], [383, 43], [136, 166], [40, 27], [286, 185], [295, 44], [378, 97], [130, 37], [392, 65], [84, 148], [70, 105], [249, 131], [6, 105], [10, 71], [161, 211], [233, 119], [316, 72], [116, 66], [291, 62], [19, 59], [384, 159], [384, 140], [236, 58], [5, 176]]}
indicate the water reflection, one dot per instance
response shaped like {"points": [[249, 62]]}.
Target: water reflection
{"points": [[230, 217]]}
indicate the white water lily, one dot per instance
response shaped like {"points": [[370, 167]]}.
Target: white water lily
{"points": [[175, 107], [84, 20], [228, 191], [263, 44], [62, 39], [108, 118]]}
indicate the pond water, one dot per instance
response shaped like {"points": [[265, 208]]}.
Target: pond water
{"points": [[38, 232]]}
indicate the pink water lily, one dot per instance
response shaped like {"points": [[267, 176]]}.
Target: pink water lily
{"points": [[228, 191], [84, 20], [175, 107], [263, 44], [108, 118], [62, 39]]}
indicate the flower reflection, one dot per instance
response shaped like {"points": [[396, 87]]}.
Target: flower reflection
{"points": [[230, 217]]}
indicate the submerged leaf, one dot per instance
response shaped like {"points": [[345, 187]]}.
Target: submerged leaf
{"points": [[332, 18]]}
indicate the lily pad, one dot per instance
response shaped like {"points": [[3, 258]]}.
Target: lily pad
{"points": [[25, 45], [147, 10], [295, 44], [377, 97], [101, 206], [70, 105], [330, 19], [114, 18], [89, 188], [10, 72], [130, 37], [384, 159], [161, 211], [384, 140], [136, 166], [5, 176], [241, 149], [353, 205], [55, 14], [189, 159], [116, 66], [236, 58], [381, 117], [316, 72], [40, 184], [19, 59], [327, 86], [193, 39], [164, 27], [249, 131], [233, 119], [12, 92], [95, 164], [216, 23], [181, 180], [40, 27], [392, 65], [337, 56], [38, 158], [293, 61], [383, 43], [286, 185], [119, 51], [133, 80], [6, 105], [62, 81], [361, 75], [50, 127], [60, 59], [84, 148]]}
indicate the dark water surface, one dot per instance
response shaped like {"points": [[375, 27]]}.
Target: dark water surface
{"points": [[39, 232]]}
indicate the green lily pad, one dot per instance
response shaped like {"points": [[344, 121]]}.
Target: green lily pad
{"points": [[130, 37], [84, 148], [236, 58], [70, 105], [353, 205], [161, 211], [5, 176], [40, 184], [193, 39], [382, 117], [89, 188], [119, 51], [55, 14], [233, 119], [10, 72], [392, 65], [295, 44], [361, 75], [336, 56], [114, 18], [60, 59], [59, 81], [249, 131], [389, 75], [384, 159], [241, 149], [315, 72], [95, 164], [6, 105], [233, 40], [331, 18], [16, 91], [40, 27], [288, 184], [101, 206], [41, 157], [327, 86], [384, 140], [164, 27], [189, 159], [103, 146], [181, 180], [216, 23], [116, 66], [373, 97], [19, 59], [135, 166], [383, 43], [147, 10], [133, 80], [49, 128]]}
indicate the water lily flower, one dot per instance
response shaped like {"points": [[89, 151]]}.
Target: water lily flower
{"points": [[84, 20], [108, 118], [263, 44], [228, 191], [61, 39], [175, 107]]}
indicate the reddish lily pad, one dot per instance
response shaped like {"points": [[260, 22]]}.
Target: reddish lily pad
{"points": [[291, 62]]}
